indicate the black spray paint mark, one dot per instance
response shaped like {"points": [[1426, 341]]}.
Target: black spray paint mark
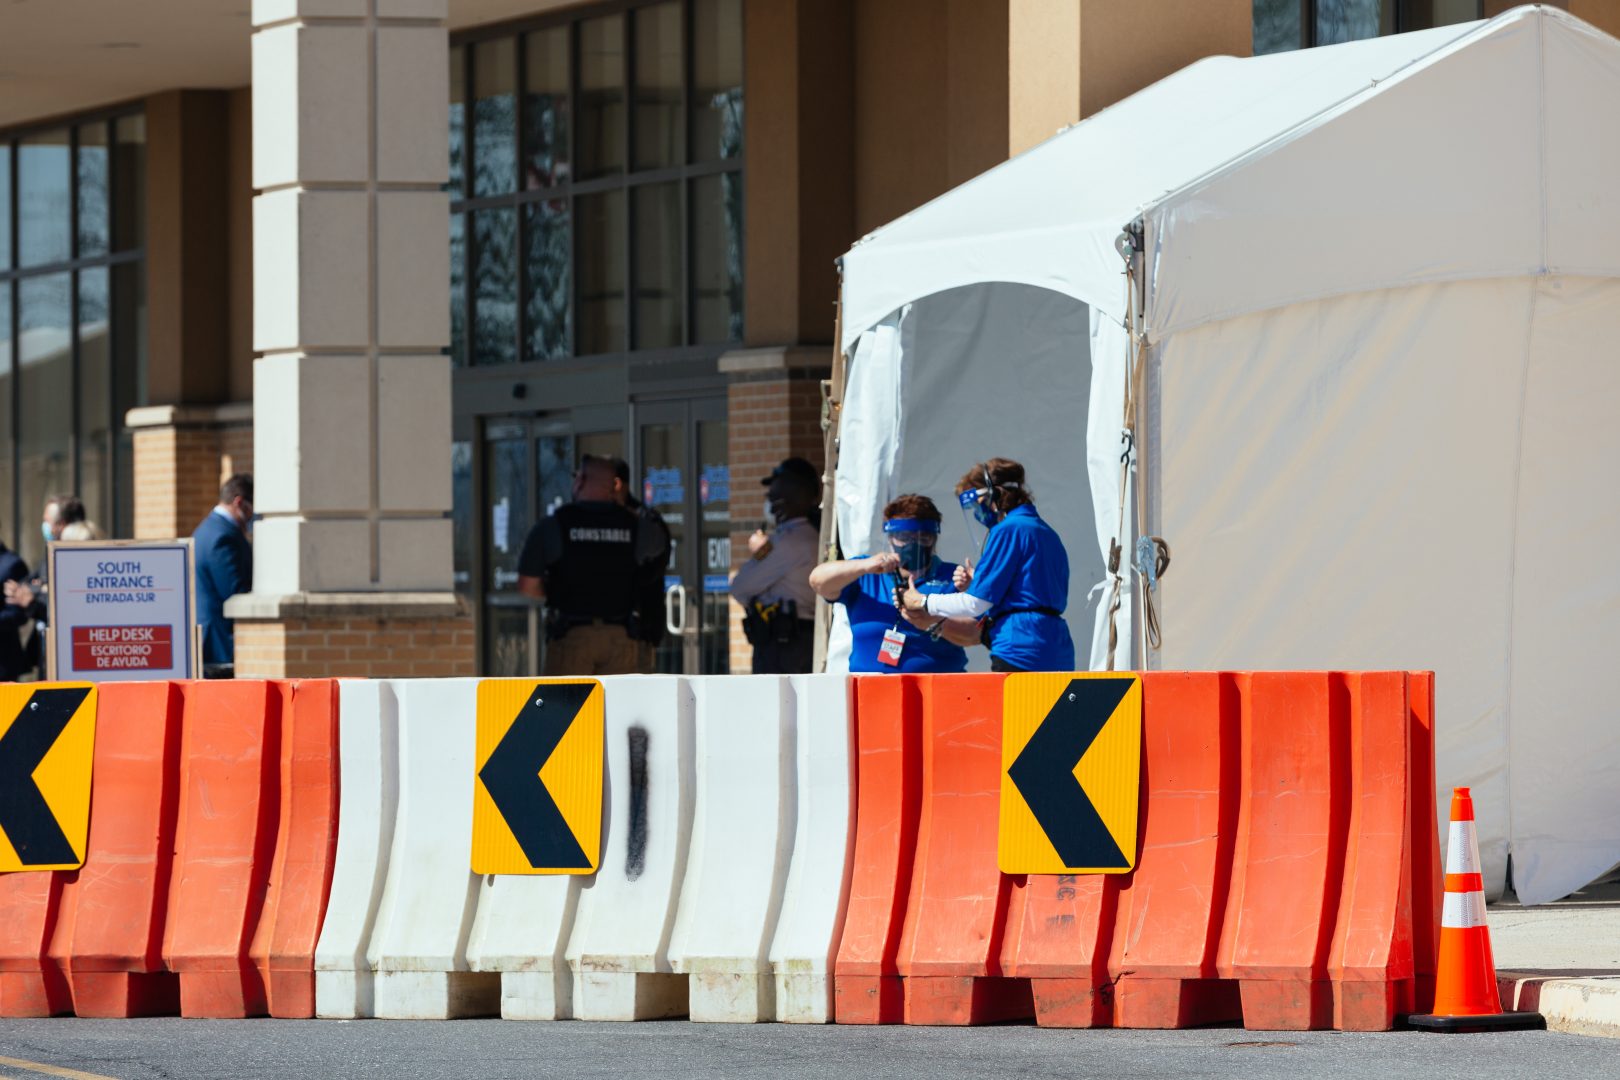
{"points": [[635, 845]]}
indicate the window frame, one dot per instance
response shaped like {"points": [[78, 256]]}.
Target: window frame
{"points": [[624, 181], [14, 274], [1403, 20]]}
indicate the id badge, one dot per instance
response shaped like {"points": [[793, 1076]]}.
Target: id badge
{"points": [[894, 642]]}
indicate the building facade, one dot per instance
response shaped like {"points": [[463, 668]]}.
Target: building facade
{"points": [[407, 260]]}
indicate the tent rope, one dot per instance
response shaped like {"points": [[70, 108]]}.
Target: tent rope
{"points": [[1152, 556]]}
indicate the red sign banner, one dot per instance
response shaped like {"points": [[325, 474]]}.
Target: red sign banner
{"points": [[114, 648]]}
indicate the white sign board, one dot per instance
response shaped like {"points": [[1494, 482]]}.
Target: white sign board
{"points": [[122, 611]]}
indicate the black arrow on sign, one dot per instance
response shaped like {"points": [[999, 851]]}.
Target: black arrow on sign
{"points": [[1044, 773], [25, 816], [512, 775]]}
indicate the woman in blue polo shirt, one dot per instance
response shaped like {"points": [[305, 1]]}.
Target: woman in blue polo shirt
{"points": [[1021, 584], [884, 642]]}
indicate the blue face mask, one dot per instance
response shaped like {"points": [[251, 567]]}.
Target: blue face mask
{"points": [[984, 515], [45, 530]]}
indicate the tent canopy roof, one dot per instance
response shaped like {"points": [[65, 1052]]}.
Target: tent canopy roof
{"points": [[1413, 157]]}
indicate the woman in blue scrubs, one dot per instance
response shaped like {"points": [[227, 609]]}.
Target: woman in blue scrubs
{"points": [[1021, 584], [884, 642]]}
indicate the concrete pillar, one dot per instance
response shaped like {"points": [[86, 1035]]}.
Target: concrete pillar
{"points": [[352, 551]]}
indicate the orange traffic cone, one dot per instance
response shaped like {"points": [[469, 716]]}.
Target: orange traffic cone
{"points": [[1465, 994]]}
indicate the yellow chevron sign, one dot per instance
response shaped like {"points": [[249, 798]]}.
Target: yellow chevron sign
{"points": [[1071, 767], [537, 797], [47, 747]]}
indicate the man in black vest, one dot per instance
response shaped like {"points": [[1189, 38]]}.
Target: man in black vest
{"points": [[582, 561]]}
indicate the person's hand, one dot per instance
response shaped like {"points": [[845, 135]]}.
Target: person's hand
{"points": [[911, 600], [962, 577], [758, 541], [920, 619], [886, 563], [18, 593]]}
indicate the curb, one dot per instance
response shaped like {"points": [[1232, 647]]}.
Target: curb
{"points": [[1585, 1003]]}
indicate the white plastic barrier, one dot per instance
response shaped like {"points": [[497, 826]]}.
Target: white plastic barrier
{"points": [[521, 931], [742, 842], [431, 895], [813, 904], [619, 950], [368, 745]]}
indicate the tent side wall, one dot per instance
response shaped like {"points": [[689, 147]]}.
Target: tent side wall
{"points": [[1343, 485]]}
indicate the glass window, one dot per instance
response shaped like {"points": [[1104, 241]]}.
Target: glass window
{"points": [[458, 123], [506, 478], [601, 130], [45, 403], [129, 182], [717, 64], [494, 117], [95, 396], [461, 514], [658, 266], [600, 252], [1277, 26], [660, 132], [545, 108], [554, 465], [550, 324], [575, 239], [717, 258], [494, 332], [5, 217], [7, 479], [1338, 21], [458, 290], [44, 201], [95, 231]]}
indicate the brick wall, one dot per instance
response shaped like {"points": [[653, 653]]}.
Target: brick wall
{"points": [[360, 648], [178, 470], [770, 417]]}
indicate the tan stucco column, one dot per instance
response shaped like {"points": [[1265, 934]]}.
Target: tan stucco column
{"points": [[351, 392]]}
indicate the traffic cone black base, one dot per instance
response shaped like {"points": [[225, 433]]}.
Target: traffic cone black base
{"points": [[1505, 1021]]}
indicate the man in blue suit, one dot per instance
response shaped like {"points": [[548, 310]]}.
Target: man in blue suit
{"points": [[224, 566]]}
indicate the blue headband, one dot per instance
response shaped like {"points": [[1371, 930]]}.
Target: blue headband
{"points": [[894, 525], [971, 496]]}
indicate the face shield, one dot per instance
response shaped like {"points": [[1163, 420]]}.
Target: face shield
{"points": [[978, 515], [912, 539]]}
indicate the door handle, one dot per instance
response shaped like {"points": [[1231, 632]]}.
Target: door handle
{"points": [[675, 601]]}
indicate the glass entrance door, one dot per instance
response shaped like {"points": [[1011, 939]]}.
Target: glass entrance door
{"points": [[528, 472], [685, 472]]}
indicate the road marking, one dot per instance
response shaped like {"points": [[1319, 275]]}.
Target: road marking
{"points": [[52, 1070]]}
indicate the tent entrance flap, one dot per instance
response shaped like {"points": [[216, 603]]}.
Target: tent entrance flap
{"points": [[964, 375]]}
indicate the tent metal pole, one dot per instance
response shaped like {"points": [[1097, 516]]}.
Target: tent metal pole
{"points": [[832, 401]]}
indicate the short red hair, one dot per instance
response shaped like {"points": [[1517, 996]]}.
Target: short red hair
{"points": [[920, 507]]}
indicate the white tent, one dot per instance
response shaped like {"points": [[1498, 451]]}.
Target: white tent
{"points": [[1380, 345]]}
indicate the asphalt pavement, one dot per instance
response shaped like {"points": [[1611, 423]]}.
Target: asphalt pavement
{"points": [[493, 1049]]}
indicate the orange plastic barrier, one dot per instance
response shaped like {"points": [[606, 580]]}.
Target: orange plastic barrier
{"points": [[1162, 961], [283, 948], [229, 811], [1293, 822], [113, 957], [888, 788], [31, 984], [1287, 865], [950, 947], [1427, 892]]}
